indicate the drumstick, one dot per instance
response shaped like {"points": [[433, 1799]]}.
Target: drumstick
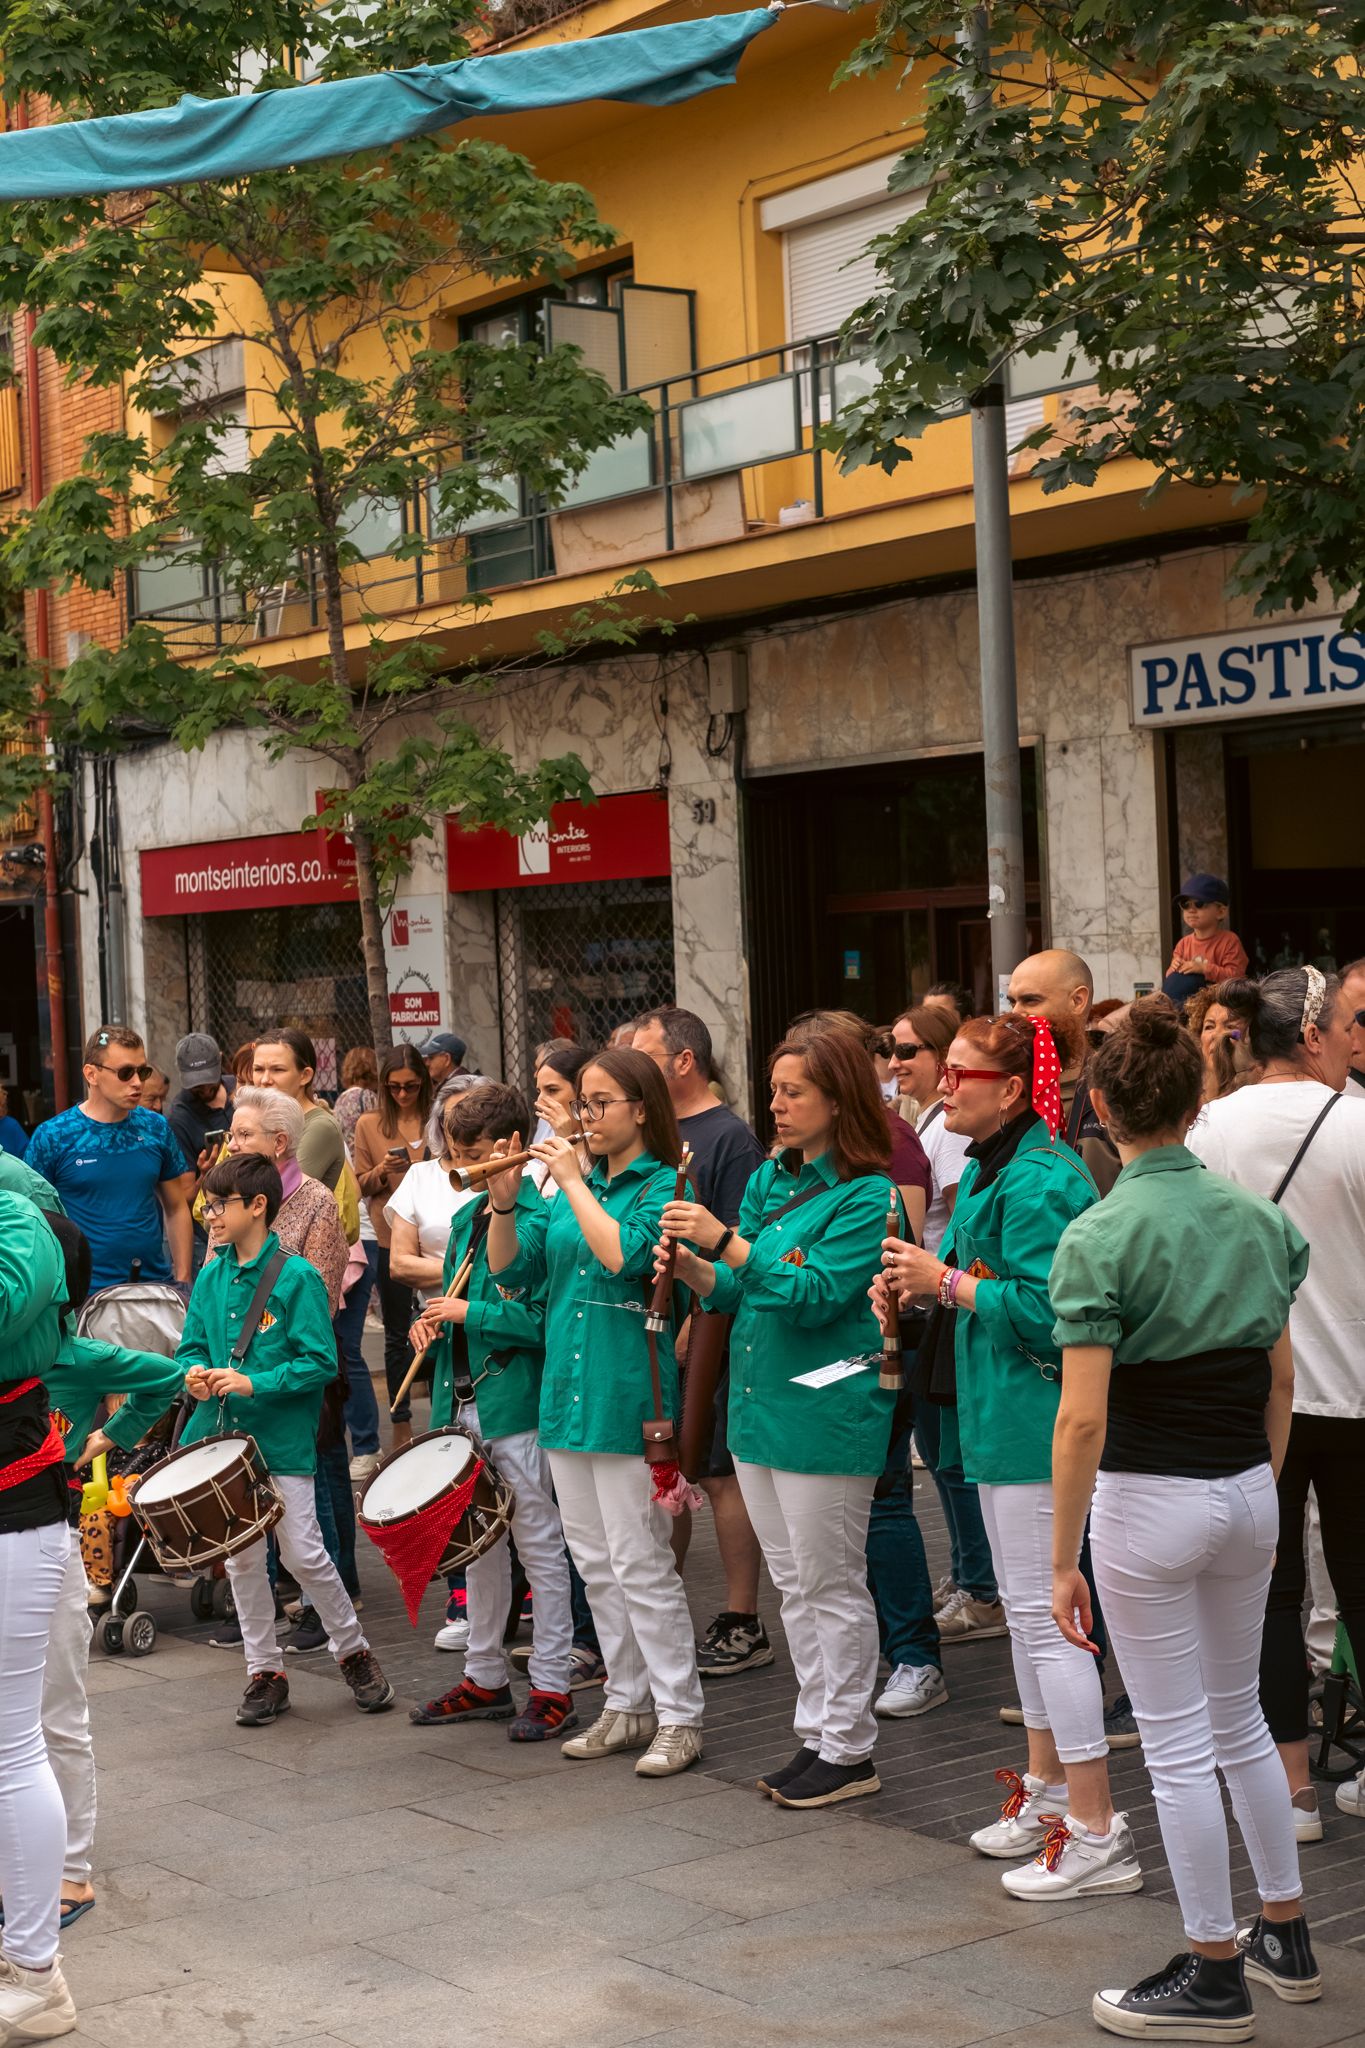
{"points": [[457, 1287]]}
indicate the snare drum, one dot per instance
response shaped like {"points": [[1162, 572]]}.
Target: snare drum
{"points": [[409, 1481], [206, 1502]]}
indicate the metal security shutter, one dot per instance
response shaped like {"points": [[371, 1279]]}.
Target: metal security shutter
{"points": [[829, 269]]}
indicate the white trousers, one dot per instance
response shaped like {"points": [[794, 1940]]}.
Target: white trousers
{"points": [[302, 1553], [66, 1716], [1059, 1686], [539, 1536], [618, 1537], [813, 1529], [1183, 1566], [32, 1819], [1321, 1633]]}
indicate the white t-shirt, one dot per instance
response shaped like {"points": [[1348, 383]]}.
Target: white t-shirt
{"points": [[946, 1152], [1251, 1137], [425, 1197]]}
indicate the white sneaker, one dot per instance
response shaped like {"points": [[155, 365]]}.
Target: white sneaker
{"points": [[35, 2005], [1021, 1829], [1350, 1798], [452, 1635], [611, 1733], [671, 1751], [944, 1591], [1307, 1815], [911, 1689], [363, 1467], [1073, 1865]]}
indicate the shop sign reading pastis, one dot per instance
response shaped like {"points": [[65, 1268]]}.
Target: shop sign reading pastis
{"points": [[1303, 665]]}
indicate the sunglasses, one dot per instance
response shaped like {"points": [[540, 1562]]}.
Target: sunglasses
{"points": [[953, 1077], [125, 1074], [404, 1087], [1198, 902], [906, 1049]]}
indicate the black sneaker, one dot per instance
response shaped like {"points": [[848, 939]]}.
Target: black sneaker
{"points": [[372, 1690], [773, 1781], [306, 1635], [227, 1634], [265, 1699], [822, 1784], [734, 1642], [1120, 1727], [1195, 1998], [1280, 1954]]}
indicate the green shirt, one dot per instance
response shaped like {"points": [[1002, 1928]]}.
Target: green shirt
{"points": [[596, 1391], [32, 1289], [85, 1370], [18, 1179], [504, 1329], [1176, 1260], [800, 1302], [1008, 1365], [293, 1356]]}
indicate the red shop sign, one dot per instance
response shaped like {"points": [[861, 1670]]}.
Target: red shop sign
{"points": [[616, 839], [248, 874]]}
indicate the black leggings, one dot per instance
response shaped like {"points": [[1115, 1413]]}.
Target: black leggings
{"points": [[1328, 1454], [395, 1306]]}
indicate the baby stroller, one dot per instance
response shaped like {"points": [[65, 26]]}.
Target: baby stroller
{"points": [[141, 1315]]}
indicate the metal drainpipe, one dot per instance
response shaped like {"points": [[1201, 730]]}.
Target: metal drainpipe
{"points": [[42, 647]]}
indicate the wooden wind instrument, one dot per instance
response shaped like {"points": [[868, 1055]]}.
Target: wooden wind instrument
{"points": [[893, 1362], [657, 1318], [457, 1287], [467, 1177]]}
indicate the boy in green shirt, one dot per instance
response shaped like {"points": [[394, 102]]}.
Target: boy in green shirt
{"points": [[489, 1350], [278, 1400]]}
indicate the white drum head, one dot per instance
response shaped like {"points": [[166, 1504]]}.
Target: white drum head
{"points": [[196, 1468], [416, 1477]]}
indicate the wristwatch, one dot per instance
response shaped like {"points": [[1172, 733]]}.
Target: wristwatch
{"points": [[717, 1252]]}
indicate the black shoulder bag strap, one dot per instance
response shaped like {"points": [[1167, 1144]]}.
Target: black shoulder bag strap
{"points": [[1297, 1161], [273, 1268]]}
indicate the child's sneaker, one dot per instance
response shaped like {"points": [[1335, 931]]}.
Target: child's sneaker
{"points": [[466, 1702], [371, 1690], [545, 1714], [265, 1699]]}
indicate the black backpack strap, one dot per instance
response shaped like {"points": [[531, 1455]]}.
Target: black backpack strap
{"points": [[274, 1267], [1297, 1161]]}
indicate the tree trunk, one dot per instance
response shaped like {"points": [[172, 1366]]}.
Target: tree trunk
{"points": [[372, 941]]}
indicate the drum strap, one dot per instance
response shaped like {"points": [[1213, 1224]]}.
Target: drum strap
{"points": [[252, 1320]]}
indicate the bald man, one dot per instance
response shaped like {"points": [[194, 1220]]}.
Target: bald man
{"points": [[1058, 986], [1353, 987]]}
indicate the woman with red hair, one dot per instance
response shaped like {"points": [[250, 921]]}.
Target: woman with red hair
{"points": [[989, 1360], [809, 1423]]}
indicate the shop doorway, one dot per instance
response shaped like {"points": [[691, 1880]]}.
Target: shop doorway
{"points": [[298, 964], [21, 1052], [865, 886], [1295, 844]]}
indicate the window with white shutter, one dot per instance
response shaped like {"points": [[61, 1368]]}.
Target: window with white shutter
{"points": [[830, 269], [232, 442]]}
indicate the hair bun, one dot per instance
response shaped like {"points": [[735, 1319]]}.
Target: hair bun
{"points": [[1154, 1022]]}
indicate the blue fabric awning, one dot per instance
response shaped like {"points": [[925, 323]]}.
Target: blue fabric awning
{"points": [[228, 138]]}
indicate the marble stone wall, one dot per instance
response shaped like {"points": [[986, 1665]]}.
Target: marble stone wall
{"points": [[1201, 802]]}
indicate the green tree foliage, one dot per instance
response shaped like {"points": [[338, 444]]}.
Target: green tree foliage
{"points": [[371, 399], [1173, 188]]}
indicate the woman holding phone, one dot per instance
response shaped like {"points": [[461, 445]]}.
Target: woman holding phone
{"points": [[388, 1142]]}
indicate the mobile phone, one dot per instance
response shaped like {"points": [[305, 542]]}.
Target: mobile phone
{"points": [[213, 1138], [398, 1152]]}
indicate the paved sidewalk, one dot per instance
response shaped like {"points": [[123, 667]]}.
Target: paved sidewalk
{"points": [[343, 1880]]}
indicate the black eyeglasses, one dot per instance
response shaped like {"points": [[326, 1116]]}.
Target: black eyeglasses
{"points": [[906, 1049], [594, 1111], [125, 1074], [214, 1205]]}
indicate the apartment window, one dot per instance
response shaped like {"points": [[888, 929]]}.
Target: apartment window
{"points": [[210, 384], [826, 226]]}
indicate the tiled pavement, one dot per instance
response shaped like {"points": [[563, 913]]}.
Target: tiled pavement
{"points": [[341, 1880]]}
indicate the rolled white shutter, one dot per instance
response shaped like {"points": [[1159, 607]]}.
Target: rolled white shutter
{"points": [[232, 452], [829, 269]]}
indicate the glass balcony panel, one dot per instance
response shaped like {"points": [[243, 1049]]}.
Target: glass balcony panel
{"points": [[619, 470], [755, 423]]}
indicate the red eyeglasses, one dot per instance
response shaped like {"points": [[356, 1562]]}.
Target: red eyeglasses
{"points": [[953, 1077]]}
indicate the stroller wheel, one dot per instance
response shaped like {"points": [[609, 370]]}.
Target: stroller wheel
{"points": [[109, 1632], [201, 1599], [127, 1599], [222, 1597], [139, 1634]]}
